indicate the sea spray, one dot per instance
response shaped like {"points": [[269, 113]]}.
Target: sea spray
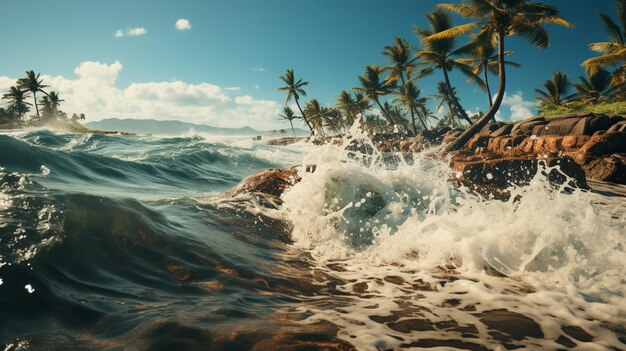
{"points": [[553, 255]]}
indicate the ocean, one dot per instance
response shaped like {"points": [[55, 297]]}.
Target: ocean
{"points": [[123, 242]]}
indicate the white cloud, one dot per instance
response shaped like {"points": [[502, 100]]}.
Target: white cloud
{"points": [[257, 87], [259, 69], [518, 107], [93, 91], [232, 88], [135, 32], [183, 24]]}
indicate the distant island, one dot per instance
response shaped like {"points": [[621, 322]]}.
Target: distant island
{"points": [[172, 127]]}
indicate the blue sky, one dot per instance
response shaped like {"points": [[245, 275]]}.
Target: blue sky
{"points": [[227, 63]]}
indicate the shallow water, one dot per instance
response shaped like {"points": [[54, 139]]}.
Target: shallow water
{"points": [[124, 242]]}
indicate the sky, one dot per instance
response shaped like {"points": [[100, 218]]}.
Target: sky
{"points": [[218, 62]]}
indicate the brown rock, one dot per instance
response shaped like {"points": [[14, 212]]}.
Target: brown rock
{"points": [[503, 130], [609, 168], [619, 126], [574, 142], [526, 127], [272, 182], [605, 144], [478, 141]]}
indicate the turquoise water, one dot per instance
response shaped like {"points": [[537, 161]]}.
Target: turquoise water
{"points": [[124, 242]]}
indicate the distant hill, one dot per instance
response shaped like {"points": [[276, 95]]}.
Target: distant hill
{"points": [[152, 126]]}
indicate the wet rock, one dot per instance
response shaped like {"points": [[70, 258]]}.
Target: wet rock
{"points": [[577, 333], [511, 325], [605, 144], [271, 182], [494, 173], [607, 169]]}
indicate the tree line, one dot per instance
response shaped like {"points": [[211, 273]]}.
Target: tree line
{"points": [[19, 106], [389, 100]]}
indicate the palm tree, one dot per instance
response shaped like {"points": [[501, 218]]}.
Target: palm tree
{"points": [[289, 115], [613, 52], [401, 62], [438, 53], [498, 19], [556, 90], [483, 58], [81, 116], [316, 115], [33, 84], [409, 97], [55, 100], [17, 104], [47, 111], [373, 88], [443, 95], [295, 89], [597, 88]]}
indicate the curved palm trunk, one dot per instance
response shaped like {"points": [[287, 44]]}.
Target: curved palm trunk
{"points": [[459, 142], [292, 130], [36, 107], [384, 112], [303, 116], [487, 84], [460, 109]]}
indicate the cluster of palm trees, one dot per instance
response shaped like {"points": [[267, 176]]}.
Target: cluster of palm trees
{"points": [[492, 22], [18, 102], [605, 74]]}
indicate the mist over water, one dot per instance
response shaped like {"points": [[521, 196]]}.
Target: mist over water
{"points": [[110, 241]]}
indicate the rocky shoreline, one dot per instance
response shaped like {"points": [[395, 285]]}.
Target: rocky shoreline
{"points": [[573, 148]]}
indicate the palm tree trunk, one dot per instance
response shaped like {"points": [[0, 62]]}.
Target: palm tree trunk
{"points": [[303, 116], [487, 84], [458, 106], [459, 142], [292, 130], [384, 112], [488, 89], [413, 120], [36, 107]]}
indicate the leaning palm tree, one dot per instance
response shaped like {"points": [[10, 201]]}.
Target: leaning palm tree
{"points": [[498, 19], [597, 88], [556, 91], [33, 84], [373, 88], [316, 115], [438, 53], [401, 63], [17, 105], [613, 52], [295, 89], [409, 98], [483, 58], [289, 115]]}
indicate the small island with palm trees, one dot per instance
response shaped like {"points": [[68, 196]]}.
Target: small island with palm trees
{"points": [[47, 112], [581, 125]]}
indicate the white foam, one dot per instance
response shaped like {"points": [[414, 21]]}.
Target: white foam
{"points": [[409, 221]]}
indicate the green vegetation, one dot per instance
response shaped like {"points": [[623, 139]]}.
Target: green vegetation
{"points": [[50, 114], [611, 108], [394, 103], [603, 87]]}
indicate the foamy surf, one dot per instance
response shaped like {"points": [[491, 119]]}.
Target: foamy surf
{"points": [[418, 259]]}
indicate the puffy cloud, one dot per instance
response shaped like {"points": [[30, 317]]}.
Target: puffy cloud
{"points": [[119, 33], [183, 24], [232, 88], [94, 92], [519, 108], [135, 32]]}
